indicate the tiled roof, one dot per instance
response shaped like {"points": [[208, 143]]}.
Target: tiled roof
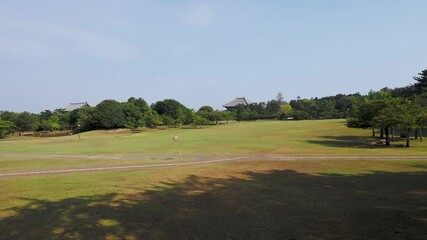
{"points": [[236, 102], [74, 106]]}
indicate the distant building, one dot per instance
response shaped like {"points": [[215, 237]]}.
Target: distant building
{"points": [[231, 106], [74, 106]]}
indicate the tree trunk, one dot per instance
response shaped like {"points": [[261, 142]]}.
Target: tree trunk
{"points": [[382, 133], [387, 137], [421, 134], [373, 132], [408, 137], [392, 134], [416, 133]]}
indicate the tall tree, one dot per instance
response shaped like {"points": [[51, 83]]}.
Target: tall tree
{"points": [[384, 117], [53, 123], [421, 85], [173, 109], [27, 122], [83, 118], [140, 103], [280, 98], [133, 114], [109, 114], [409, 117], [5, 128], [365, 112], [152, 118]]}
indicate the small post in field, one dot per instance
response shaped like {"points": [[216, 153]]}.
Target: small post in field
{"points": [[78, 125], [176, 139]]}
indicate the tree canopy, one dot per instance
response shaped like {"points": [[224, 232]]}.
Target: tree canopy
{"points": [[109, 114], [403, 108], [400, 108]]}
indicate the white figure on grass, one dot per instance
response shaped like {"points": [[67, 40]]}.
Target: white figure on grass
{"points": [[176, 139]]}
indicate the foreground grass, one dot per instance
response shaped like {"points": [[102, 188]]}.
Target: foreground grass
{"points": [[325, 137], [245, 200]]}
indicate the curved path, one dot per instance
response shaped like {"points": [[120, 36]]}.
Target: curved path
{"points": [[191, 159]]}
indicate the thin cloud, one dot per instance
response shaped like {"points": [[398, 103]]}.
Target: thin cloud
{"points": [[95, 44], [49, 39], [20, 47], [183, 49], [199, 16]]}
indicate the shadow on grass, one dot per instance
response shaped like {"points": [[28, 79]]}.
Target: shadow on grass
{"points": [[274, 205], [350, 142]]}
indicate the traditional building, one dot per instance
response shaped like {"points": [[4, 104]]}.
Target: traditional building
{"points": [[74, 106], [236, 102]]}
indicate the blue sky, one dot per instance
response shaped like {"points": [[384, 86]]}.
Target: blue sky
{"points": [[204, 52]]}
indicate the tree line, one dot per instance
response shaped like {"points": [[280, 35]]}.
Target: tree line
{"points": [[401, 109], [387, 109], [110, 114], [390, 109]]}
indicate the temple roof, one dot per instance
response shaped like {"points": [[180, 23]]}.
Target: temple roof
{"points": [[236, 102], [74, 106]]}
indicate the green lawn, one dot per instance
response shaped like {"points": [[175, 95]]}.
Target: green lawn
{"points": [[246, 200], [328, 137], [308, 199]]}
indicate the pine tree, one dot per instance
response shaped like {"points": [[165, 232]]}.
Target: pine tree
{"points": [[421, 85]]}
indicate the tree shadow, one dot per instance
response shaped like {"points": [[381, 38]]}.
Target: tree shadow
{"points": [[348, 142], [275, 205]]}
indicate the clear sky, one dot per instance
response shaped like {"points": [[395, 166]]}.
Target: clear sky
{"points": [[204, 52]]}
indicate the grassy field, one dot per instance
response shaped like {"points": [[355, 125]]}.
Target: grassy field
{"points": [[296, 138], [330, 137], [247, 200], [308, 199]]}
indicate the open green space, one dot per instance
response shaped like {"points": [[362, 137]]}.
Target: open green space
{"points": [[330, 137], [307, 199], [296, 138], [245, 200]]}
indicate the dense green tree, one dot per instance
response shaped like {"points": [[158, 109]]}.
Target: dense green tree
{"points": [[140, 103], [344, 104], [168, 120], [366, 108], [386, 114], [409, 113], [173, 109], [361, 115], [64, 118], [198, 120], [421, 85], [133, 114], [27, 122], [382, 110], [6, 127], [326, 109], [109, 114], [401, 113], [306, 109], [214, 116], [152, 118], [82, 119], [285, 110], [404, 92], [299, 115], [9, 116], [244, 113], [206, 109], [53, 123], [272, 109]]}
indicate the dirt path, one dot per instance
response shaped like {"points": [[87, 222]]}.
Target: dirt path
{"points": [[190, 159]]}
